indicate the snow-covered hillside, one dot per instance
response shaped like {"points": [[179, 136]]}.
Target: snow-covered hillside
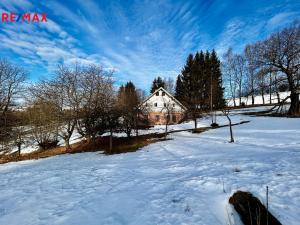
{"points": [[179, 181], [258, 100]]}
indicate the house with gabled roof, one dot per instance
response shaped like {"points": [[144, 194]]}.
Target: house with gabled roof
{"points": [[161, 107]]}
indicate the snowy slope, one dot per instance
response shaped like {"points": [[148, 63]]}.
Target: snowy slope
{"points": [[174, 182], [32, 145], [258, 100]]}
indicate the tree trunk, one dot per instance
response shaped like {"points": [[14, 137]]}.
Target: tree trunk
{"points": [[270, 89], [88, 138], [295, 105], [19, 149], [136, 127], [263, 97], [195, 121], [215, 116], [231, 133], [128, 132], [166, 130], [270, 98], [93, 138], [252, 97], [278, 97], [230, 129], [67, 142], [234, 103], [110, 141], [252, 91]]}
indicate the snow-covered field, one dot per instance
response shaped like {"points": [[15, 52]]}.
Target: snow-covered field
{"points": [[179, 181]]}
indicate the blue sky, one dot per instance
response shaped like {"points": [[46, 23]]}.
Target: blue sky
{"points": [[139, 39]]}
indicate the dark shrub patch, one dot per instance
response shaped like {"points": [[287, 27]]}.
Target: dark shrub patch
{"points": [[251, 210], [214, 125], [120, 144], [48, 144]]}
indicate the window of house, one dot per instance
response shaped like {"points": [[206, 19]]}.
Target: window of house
{"points": [[174, 118], [157, 93], [165, 105], [155, 104], [157, 118], [173, 104], [163, 93]]}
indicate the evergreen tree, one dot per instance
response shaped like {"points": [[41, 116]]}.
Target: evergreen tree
{"points": [[179, 92], [200, 84], [128, 101], [217, 84], [186, 75], [157, 83], [189, 91]]}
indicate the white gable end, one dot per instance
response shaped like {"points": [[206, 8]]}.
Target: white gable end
{"points": [[160, 100]]}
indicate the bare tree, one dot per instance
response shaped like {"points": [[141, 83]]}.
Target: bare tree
{"points": [[168, 109], [278, 81], [239, 73], [98, 94], [262, 84], [19, 134], [43, 122], [169, 85], [64, 93], [281, 53], [12, 79], [234, 69], [67, 95], [141, 94], [229, 73], [251, 72], [80, 97]]}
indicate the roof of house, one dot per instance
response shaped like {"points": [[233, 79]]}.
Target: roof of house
{"points": [[170, 95]]}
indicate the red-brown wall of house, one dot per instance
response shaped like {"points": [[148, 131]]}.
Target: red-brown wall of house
{"points": [[159, 118]]}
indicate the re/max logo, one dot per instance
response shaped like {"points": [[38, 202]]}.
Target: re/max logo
{"points": [[25, 17]]}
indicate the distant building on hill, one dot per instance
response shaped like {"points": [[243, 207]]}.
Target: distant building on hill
{"points": [[161, 107]]}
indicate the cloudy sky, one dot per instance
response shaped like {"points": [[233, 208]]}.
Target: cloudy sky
{"points": [[139, 39]]}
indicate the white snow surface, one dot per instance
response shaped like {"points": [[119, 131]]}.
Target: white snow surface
{"points": [[258, 100], [179, 181]]}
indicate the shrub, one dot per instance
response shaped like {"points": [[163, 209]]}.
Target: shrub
{"points": [[48, 144]]}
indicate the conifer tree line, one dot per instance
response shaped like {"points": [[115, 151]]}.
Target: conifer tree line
{"points": [[157, 83], [166, 83], [199, 86]]}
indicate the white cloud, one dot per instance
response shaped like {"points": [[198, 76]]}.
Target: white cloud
{"points": [[16, 5], [230, 34], [43, 44], [281, 19]]}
